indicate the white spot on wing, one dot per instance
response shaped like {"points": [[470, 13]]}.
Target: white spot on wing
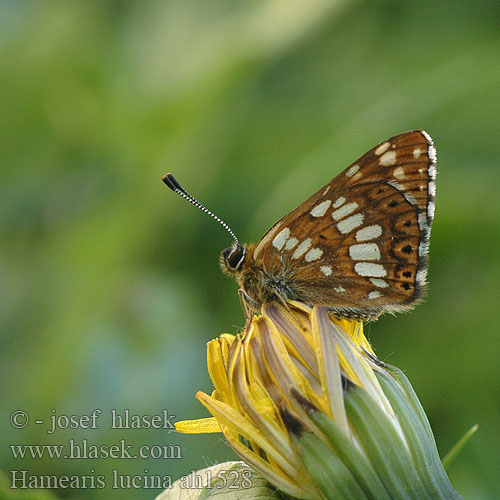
{"points": [[338, 202], [326, 270], [402, 187], [422, 221], [431, 209], [281, 238], [409, 198], [421, 275], [370, 269], [423, 248], [427, 136], [382, 148], [290, 243], [267, 238], [388, 158], [313, 254], [352, 171], [344, 210], [396, 184], [399, 173], [374, 295], [339, 289], [432, 171], [347, 225], [416, 153], [379, 282], [364, 251], [432, 153], [302, 248], [326, 190], [319, 210], [368, 233], [432, 188], [432, 150]]}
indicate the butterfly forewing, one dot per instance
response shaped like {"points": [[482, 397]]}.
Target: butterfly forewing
{"points": [[359, 245]]}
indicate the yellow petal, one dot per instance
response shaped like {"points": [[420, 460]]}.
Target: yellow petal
{"points": [[199, 426]]}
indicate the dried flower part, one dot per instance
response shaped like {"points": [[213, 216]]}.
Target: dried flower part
{"points": [[226, 481]]}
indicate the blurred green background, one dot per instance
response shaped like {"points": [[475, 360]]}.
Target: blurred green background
{"points": [[110, 284]]}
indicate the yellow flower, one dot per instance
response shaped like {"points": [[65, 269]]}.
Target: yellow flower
{"points": [[302, 399]]}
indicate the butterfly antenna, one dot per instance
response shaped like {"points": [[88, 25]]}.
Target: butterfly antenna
{"points": [[172, 183]]}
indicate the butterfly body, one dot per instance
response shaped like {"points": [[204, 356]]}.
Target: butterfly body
{"points": [[280, 281], [358, 246]]}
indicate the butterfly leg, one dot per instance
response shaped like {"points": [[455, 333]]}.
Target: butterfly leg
{"points": [[245, 304], [283, 301]]}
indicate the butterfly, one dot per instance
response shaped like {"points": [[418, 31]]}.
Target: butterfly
{"points": [[358, 246]]}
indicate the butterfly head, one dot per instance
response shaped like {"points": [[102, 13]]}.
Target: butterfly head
{"points": [[232, 258]]}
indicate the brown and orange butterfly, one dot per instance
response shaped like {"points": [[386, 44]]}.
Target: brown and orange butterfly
{"points": [[358, 246]]}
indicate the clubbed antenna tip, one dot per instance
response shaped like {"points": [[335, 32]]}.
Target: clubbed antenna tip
{"points": [[172, 183]]}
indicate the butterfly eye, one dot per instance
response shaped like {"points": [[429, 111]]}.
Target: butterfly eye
{"points": [[233, 257]]}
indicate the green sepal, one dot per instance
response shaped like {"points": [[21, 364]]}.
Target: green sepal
{"points": [[383, 446], [351, 456], [412, 397], [422, 447], [328, 472]]}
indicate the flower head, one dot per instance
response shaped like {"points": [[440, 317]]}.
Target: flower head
{"points": [[302, 399]]}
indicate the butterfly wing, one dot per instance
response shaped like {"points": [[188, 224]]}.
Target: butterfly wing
{"points": [[359, 245]]}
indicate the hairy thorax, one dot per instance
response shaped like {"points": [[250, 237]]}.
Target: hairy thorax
{"points": [[267, 281]]}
